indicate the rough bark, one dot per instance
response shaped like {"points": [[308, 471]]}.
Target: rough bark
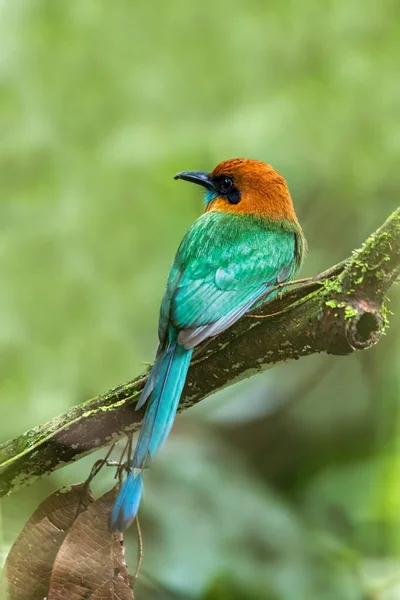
{"points": [[337, 312]]}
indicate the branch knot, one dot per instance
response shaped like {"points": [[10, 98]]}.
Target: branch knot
{"points": [[364, 326]]}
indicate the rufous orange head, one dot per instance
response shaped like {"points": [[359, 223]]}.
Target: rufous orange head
{"points": [[245, 186]]}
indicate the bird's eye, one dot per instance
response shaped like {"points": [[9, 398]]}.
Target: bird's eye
{"points": [[226, 185]]}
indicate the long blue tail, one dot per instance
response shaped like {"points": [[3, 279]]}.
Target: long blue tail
{"points": [[164, 391]]}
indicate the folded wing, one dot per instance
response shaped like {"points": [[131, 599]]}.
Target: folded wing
{"points": [[224, 266]]}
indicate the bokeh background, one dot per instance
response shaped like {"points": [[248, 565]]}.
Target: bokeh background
{"points": [[284, 487]]}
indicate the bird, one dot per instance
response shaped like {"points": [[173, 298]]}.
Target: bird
{"points": [[247, 241]]}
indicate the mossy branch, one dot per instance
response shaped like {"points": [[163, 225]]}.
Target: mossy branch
{"points": [[337, 312]]}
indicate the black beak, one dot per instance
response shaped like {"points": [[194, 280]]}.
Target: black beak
{"points": [[199, 177]]}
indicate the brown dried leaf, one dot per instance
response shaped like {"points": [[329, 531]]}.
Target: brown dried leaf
{"points": [[91, 561], [29, 563]]}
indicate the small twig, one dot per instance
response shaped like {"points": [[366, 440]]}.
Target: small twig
{"points": [[280, 286], [320, 278], [295, 282], [280, 312], [98, 465], [275, 314], [327, 274], [140, 548], [121, 464]]}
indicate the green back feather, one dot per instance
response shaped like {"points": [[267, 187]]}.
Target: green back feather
{"points": [[224, 262]]}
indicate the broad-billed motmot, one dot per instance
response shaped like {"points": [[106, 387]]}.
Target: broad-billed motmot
{"points": [[247, 241]]}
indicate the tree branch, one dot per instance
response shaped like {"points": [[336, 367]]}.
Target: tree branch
{"points": [[337, 312]]}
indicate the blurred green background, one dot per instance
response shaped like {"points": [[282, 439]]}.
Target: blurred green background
{"points": [[284, 487]]}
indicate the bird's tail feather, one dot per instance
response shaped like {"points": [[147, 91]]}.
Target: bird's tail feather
{"points": [[172, 367], [148, 388], [163, 403], [127, 503]]}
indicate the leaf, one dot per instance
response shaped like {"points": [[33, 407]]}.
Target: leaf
{"points": [[29, 563], [91, 561]]}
